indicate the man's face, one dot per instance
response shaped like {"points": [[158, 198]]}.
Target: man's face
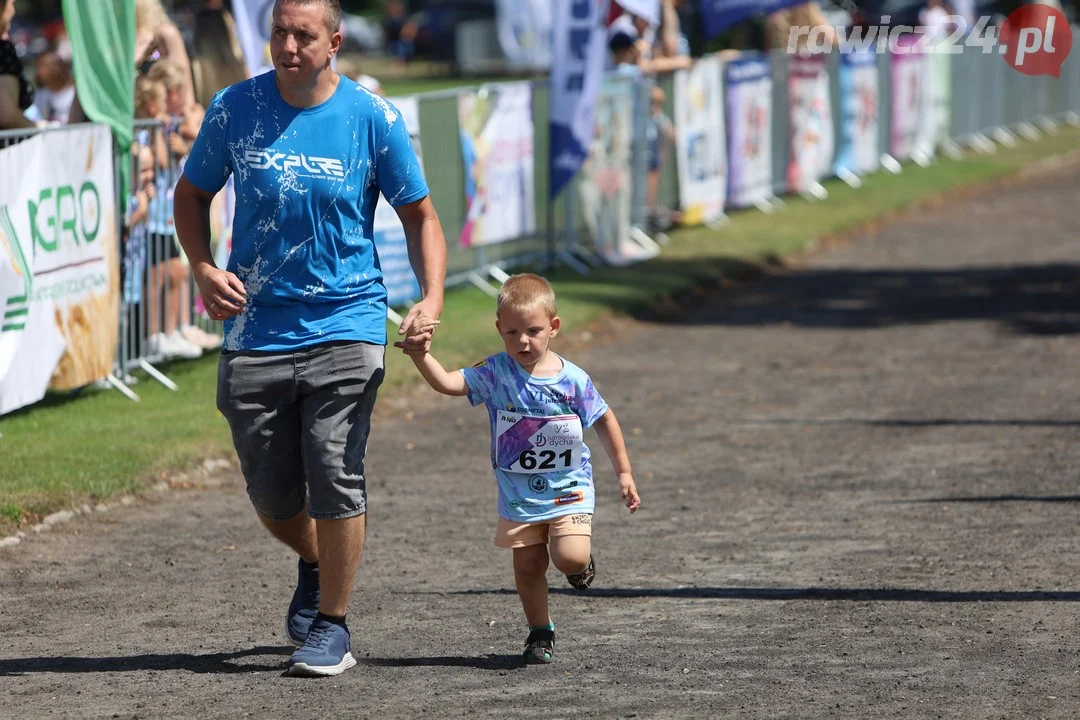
{"points": [[301, 44]]}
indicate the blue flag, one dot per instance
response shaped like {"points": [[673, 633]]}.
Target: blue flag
{"points": [[579, 47], [719, 15]]}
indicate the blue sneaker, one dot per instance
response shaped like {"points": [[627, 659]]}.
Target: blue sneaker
{"points": [[305, 604], [325, 652]]}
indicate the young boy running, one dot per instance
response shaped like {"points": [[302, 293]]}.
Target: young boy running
{"points": [[539, 404]]}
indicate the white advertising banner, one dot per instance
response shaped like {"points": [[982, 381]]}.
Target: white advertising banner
{"points": [[810, 109], [908, 95], [496, 126], [857, 149], [59, 272], [699, 130], [749, 115], [390, 243]]}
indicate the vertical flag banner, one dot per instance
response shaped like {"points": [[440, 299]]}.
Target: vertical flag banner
{"points": [[699, 132], [857, 149], [647, 9], [253, 20], [607, 183], [524, 30], [579, 48], [59, 271], [810, 108], [907, 99], [102, 35], [391, 247], [496, 126], [749, 121]]}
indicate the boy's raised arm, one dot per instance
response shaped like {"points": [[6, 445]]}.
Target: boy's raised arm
{"points": [[448, 383]]}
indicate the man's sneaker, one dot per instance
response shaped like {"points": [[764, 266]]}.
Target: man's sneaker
{"points": [[539, 647], [325, 652], [583, 580], [305, 604]]}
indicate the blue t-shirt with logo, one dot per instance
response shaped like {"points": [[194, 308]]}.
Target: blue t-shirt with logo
{"points": [[528, 418], [307, 182]]}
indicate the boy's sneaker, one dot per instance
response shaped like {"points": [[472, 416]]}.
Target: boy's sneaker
{"points": [[326, 651], [305, 603], [539, 647], [583, 580]]}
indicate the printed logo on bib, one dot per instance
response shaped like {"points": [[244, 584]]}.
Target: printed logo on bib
{"points": [[527, 444]]}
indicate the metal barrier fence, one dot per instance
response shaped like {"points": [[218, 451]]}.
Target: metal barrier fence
{"points": [[161, 314]]}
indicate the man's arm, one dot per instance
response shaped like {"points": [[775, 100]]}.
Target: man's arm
{"points": [[427, 255], [222, 292]]}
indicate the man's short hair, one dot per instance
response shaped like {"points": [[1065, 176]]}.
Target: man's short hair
{"points": [[332, 8], [525, 292]]}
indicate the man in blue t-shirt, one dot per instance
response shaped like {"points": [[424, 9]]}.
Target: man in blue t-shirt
{"points": [[303, 299]]}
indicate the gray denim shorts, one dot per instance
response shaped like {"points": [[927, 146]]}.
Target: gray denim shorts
{"points": [[300, 423]]}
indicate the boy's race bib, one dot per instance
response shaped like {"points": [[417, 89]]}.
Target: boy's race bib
{"points": [[527, 444]]}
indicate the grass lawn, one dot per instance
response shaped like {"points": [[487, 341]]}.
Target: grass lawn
{"points": [[71, 449]]}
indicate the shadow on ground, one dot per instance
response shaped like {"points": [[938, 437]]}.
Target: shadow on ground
{"points": [[806, 593], [1026, 299]]}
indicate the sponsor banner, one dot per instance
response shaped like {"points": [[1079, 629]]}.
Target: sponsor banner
{"points": [[908, 77], [579, 48], [749, 122], [699, 131], [810, 109], [524, 29], [390, 244], [607, 182], [857, 147], [59, 271], [496, 128]]}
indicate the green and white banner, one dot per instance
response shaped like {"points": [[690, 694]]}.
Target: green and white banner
{"points": [[59, 275]]}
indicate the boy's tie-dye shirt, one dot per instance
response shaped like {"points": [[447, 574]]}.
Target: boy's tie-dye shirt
{"points": [[537, 449]]}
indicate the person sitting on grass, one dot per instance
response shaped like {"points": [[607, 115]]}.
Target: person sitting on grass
{"points": [[538, 404]]}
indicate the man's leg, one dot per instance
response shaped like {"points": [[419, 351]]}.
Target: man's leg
{"points": [[338, 384], [340, 545], [298, 532], [257, 395]]}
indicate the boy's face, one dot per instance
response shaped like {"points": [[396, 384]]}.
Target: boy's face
{"points": [[174, 101], [146, 167], [152, 108], [526, 335]]}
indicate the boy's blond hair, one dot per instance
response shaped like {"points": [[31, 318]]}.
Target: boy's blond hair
{"points": [[147, 91], [525, 292], [166, 72]]}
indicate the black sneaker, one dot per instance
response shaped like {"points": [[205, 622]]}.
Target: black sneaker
{"points": [[583, 580], [305, 604], [539, 647]]}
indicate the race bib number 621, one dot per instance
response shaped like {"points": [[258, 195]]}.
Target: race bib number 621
{"points": [[527, 444]]}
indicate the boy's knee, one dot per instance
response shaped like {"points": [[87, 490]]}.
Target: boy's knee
{"points": [[570, 565], [570, 558]]}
